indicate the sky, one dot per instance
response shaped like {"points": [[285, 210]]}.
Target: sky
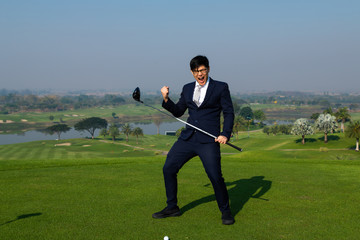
{"points": [[253, 45]]}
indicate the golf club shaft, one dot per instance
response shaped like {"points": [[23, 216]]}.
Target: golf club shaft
{"points": [[199, 129]]}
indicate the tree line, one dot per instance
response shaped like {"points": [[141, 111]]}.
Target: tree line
{"points": [[92, 124], [13, 102], [324, 100]]}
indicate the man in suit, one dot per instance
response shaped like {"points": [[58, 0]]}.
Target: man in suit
{"points": [[204, 99]]}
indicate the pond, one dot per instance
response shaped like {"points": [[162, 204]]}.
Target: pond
{"points": [[148, 129], [29, 136]]}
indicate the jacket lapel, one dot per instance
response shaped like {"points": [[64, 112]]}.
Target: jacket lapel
{"points": [[208, 91], [190, 93]]}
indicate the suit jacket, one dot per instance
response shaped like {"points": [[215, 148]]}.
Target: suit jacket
{"points": [[207, 116]]}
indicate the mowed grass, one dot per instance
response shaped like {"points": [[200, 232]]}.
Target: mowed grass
{"points": [[109, 191]]}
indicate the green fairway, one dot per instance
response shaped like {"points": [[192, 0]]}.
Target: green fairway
{"points": [[95, 189]]}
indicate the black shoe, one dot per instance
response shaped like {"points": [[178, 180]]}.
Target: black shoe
{"points": [[227, 218], [167, 212]]}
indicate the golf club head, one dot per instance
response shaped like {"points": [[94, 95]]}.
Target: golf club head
{"points": [[136, 94]]}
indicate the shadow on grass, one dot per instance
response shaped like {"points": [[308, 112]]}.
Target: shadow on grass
{"points": [[352, 147], [240, 192], [330, 138], [22, 217], [306, 140]]}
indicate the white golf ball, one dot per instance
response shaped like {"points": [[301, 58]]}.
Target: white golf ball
{"points": [[166, 238]]}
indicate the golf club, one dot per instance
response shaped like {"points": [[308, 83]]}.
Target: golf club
{"points": [[136, 97]]}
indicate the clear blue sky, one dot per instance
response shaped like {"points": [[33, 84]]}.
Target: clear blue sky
{"points": [[258, 45]]}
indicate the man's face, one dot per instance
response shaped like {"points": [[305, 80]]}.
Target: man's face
{"points": [[201, 74]]}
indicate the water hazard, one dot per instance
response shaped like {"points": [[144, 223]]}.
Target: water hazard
{"points": [[29, 136]]}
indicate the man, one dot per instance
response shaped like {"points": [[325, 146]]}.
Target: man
{"points": [[205, 99]]}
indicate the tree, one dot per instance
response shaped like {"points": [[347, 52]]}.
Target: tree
{"points": [[267, 130], [113, 115], [137, 132], [328, 111], [157, 121], [302, 127], [326, 123], [314, 116], [114, 131], [259, 115], [58, 129], [275, 129], [126, 129], [90, 125], [343, 115], [285, 128], [51, 117], [353, 131], [239, 123], [103, 132], [247, 113]]}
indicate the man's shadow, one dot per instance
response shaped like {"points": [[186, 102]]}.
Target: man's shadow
{"points": [[239, 193], [22, 217]]}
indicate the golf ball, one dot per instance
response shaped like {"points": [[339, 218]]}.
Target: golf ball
{"points": [[166, 238]]}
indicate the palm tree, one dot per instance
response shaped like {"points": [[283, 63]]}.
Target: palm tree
{"points": [[353, 131], [328, 111], [126, 129], [239, 123], [137, 132], [343, 115]]}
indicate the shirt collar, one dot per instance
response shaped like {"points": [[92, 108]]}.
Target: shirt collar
{"points": [[206, 84]]}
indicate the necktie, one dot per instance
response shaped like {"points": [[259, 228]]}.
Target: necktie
{"points": [[197, 95]]}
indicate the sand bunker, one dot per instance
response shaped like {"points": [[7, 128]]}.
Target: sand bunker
{"points": [[86, 145], [24, 120], [63, 144]]}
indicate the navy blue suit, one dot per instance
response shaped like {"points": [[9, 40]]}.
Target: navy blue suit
{"points": [[193, 143]]}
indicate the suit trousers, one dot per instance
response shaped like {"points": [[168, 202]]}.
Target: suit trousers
{"points": [[180, 153]]}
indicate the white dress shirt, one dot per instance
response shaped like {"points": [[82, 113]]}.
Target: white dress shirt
{"points": [[203, 90]]}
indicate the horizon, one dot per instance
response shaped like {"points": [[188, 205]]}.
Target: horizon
{"points": [[124, 92]]}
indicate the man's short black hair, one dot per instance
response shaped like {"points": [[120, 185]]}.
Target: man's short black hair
{"points": [[198, 61]]}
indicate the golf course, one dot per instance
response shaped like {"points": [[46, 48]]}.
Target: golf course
{"points": [[101, 189]]}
